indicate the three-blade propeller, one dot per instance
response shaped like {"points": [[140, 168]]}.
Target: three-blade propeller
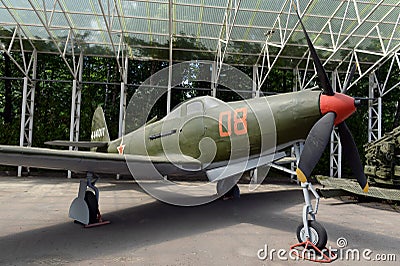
{"points": [[319, 135]]}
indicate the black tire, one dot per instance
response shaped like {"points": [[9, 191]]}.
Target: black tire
{"points": [[319, 237], [233, 193], [93, 206]]}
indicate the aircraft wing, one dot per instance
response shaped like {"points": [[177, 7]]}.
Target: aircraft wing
{"points": [[84, 161], [239, 166]]}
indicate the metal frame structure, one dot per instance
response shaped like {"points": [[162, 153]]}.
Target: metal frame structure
{"points": [[76, 103], [335, 153], [344, 32], [28, 104], [228, 24]]}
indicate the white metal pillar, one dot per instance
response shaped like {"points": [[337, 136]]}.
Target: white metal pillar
{"points": [[76, 105], [297, 147], [256, 89], [335, 161], [170, 30], [122, 99], [213, 79], [229, 20], [255, 94], [374, 110], [335, 154], [122, 105], [28, 106]]}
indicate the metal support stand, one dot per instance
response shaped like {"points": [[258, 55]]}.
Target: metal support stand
{"points": [[79, 209]]}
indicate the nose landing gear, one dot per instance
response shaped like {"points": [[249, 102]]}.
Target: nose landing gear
{"points": [[310, 233]]}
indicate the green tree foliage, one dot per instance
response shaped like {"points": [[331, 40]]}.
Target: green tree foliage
{"points": [[101, 86]]}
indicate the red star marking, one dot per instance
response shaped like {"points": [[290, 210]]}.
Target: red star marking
{"points": [[121, 148]]}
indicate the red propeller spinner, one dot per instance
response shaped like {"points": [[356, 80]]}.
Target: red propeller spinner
{"points": [[342, 105]]}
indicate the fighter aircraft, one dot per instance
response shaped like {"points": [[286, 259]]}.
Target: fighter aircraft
{"points": [[239, 136]]}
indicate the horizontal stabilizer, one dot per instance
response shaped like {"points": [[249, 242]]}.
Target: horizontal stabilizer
{"points": [[80, 144]]}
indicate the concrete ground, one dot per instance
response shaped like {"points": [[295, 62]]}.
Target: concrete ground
{"points": [[35, 228]]}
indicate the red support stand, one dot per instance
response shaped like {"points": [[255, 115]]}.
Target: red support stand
{"points": [[99, 222], [96, 224], [324, 256]]}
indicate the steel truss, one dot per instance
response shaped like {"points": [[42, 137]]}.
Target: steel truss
{"points": [[377, 90], [265, 59], [28, 69], [111, 18], [335, 153], [228, 24], [67, 51]]}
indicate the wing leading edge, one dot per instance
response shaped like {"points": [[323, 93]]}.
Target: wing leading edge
{"points": [[83, 161]]}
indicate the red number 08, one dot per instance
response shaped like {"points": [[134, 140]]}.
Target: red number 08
{"points": [[239, 122]]}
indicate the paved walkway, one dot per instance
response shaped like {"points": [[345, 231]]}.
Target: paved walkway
{"points": [[35, 228]]}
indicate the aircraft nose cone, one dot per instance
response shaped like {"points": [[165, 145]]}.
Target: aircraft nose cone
{"points": [[342, 105]]}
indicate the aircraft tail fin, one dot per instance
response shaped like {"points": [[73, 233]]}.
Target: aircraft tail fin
{"points": [[99, 138], [99, 127]]}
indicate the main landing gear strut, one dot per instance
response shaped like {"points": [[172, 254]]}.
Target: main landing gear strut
{"points": [[310, 233], [228, 189], [84, 209]]}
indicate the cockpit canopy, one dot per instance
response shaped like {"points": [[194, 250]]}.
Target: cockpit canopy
{"points": [[194, 106]]}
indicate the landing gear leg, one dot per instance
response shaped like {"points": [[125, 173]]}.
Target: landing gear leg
{"points": [[85, 208], [310, 233], [228, 189]]}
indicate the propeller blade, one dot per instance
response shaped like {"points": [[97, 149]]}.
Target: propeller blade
{"points": [[351, 153], [349, 78], [315, 145], [322, 76]]}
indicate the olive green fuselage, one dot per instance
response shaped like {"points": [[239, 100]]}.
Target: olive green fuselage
{"points": [[216, 132]]}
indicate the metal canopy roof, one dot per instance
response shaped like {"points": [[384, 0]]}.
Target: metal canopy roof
{"points": [[244, 32], [264, 34]]}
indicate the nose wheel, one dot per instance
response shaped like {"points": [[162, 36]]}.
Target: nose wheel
{"points": [[317, 234], [310, 233]]}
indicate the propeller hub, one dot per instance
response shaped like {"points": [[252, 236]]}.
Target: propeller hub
{"points": [[342, 105]]}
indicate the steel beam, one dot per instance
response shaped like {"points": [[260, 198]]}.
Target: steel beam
{"points": [[335, 154], [122, 100], [374, 110], [214, 84], [228, 24], [28, 107], [384, 55], [335, 158], [76, 104], [264, 56], [171, 39]]}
